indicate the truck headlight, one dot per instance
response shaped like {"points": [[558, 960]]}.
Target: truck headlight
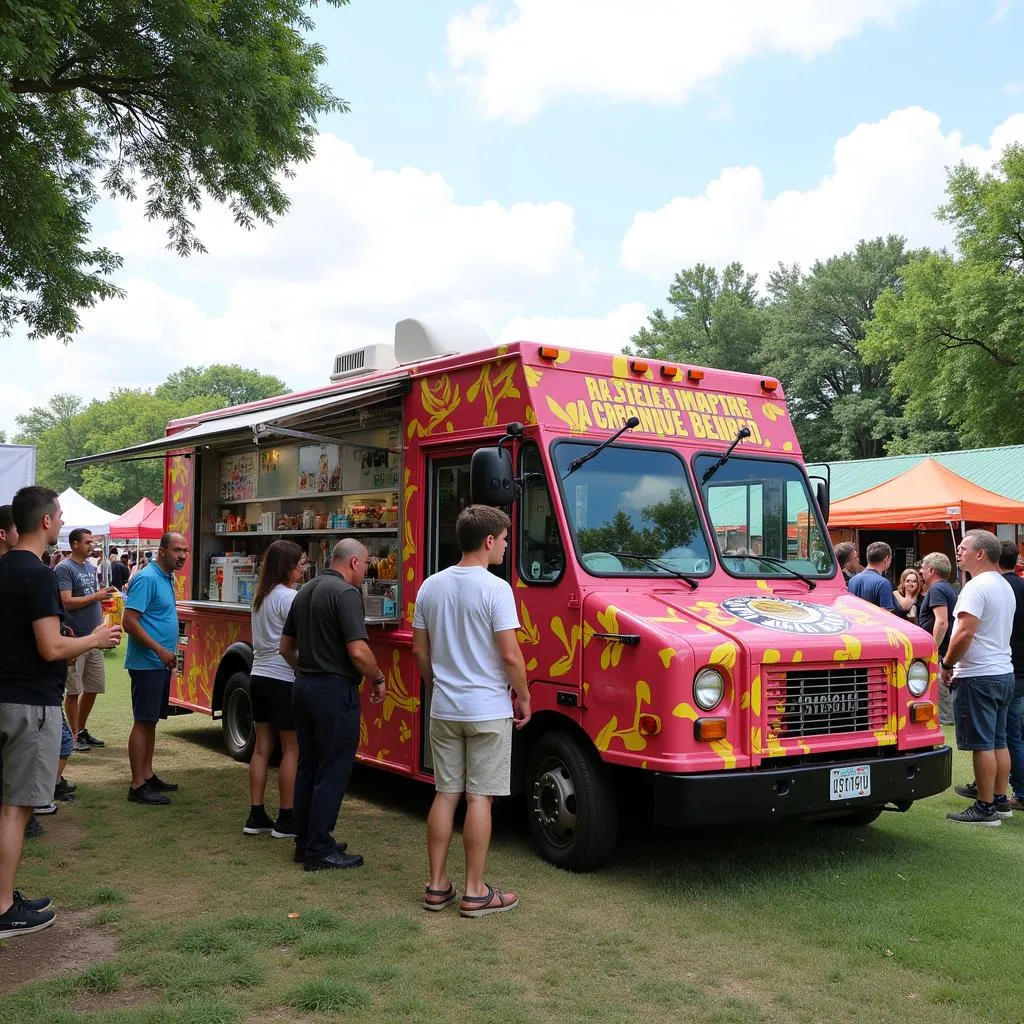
{"points": [[917, 678], [708, 688]]}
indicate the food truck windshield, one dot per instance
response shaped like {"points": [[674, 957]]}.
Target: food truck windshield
{"points": [[764, 520], [633, 512]]}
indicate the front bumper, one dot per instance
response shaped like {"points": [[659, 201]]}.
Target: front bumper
{"points": [[798, 791]]}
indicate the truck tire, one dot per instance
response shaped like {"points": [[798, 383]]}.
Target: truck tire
{"points": [[236, 718], [571, 803]]}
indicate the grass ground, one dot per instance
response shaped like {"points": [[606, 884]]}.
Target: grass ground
{"points": [[911, 920]]}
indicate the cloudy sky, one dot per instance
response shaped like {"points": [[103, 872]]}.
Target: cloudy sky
{"points": [[543, 167]]}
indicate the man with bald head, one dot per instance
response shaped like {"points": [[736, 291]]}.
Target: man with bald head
{"points": [[151, 622], [324, 639]]}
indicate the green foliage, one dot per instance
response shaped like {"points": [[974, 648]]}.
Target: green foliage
{"points": [[841, 403], [185, 99], [67, 429], [955, 332], [236, 384], [719, 320]]}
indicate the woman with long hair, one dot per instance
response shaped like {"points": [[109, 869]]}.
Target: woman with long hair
{"points": [[270, 689], [907, 596]]}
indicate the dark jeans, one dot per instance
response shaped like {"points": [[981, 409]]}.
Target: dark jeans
{"points": [[1015, 738], [327, 726]]}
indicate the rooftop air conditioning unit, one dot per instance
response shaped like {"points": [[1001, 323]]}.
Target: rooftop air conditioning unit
{"points": [[361, 361]]}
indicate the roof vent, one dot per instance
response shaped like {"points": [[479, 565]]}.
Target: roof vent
{"points": [[433, 337], [360, 361]]}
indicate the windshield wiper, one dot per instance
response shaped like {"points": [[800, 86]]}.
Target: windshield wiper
{"points": [[743, 432], [782, 564], [630, 424], [661, 565]]}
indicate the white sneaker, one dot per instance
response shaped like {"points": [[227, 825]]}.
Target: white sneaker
{"points": [[50, 808]]}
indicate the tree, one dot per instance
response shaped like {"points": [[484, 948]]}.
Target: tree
{"points": [[719, 320], [840, 400], [955, 330], [233, 383], [185, 99], [53, 430], [668, 524]]}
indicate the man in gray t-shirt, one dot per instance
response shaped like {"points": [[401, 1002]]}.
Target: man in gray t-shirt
{"points": [[82, 598]]}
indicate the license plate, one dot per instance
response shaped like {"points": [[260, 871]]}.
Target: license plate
{"points": [[850, 782]]}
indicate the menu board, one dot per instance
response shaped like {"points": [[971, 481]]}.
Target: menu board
{"points": [[238, 474], [319, 469], [372, 468]]}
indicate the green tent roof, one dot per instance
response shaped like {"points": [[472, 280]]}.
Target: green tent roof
{"points": [[996, 469]]}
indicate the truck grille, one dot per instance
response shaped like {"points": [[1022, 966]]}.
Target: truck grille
{"points": [[824, 700]]}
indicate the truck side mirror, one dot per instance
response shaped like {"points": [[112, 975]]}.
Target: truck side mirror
{"points": [[823, 502], [491, 478]]}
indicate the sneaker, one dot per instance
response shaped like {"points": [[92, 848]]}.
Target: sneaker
{"points": [[1003, 808], [36, 905], [46, 809], [284, 827], [334, 862], [84, 736], [65, 798], [258, 823], [34, 828], [81, 747], [145, 794], [970, 791], [299, 857], [20, 919], [155, 782], [64, 789], [974, 815]]}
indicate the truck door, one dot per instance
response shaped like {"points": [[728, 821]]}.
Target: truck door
{"points": [[447, 496]]}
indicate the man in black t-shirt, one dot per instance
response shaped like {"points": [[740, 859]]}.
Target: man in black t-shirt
{"points": [[33, 665], [937, 617], [1015, 717], [324, 640], [118, 571]]}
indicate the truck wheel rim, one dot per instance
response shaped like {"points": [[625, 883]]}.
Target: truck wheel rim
{"points": [[239, 718], [553, 803]]}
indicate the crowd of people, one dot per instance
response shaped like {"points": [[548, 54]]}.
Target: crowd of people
{"points": [[310, 655], [979, 634]]}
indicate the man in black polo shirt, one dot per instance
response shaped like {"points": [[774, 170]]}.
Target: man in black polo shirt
{"points": [[33, 665], [324, 638]]}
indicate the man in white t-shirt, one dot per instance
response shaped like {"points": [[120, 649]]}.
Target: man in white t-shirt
{"points": [[464, 642], [979, 670]]}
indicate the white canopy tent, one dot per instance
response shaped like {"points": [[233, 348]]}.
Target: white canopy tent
{"points": [[78, 513]]}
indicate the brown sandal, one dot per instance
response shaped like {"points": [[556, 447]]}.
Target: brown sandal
{"points": [[447, 897], [480, 906]]}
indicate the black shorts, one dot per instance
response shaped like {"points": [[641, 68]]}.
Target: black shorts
{"points": [[151, 693], [272, 702]]}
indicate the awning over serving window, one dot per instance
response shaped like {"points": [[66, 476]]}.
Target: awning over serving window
{"points": [[305, 414]]}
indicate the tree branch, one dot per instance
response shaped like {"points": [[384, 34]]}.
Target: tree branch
{"points": [[950, 341], [93, 83]]}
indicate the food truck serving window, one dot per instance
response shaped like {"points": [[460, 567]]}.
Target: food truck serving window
{"points": [[632, 511], [763, 507]]}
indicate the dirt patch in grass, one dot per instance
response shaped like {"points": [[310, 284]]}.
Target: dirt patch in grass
{"points": [[69, 944], [128, 998]]}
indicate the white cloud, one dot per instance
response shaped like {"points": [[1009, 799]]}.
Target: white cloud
{"points": [[1013, 89], [360, 248], [1002, 9], [886, 177], [649, 490], [610, 333], [517, 56]]}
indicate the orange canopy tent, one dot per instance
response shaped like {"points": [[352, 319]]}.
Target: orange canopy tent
{"points": [[927, 493]]}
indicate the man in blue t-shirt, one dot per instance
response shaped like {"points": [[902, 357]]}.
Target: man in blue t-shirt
{"points": [[870, 584], [151, 622]]}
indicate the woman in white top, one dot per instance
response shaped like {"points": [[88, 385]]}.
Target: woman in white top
{"points": [[270, 689]]}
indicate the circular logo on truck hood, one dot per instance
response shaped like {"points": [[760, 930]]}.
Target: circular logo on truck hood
{"points": [[788, 616]]}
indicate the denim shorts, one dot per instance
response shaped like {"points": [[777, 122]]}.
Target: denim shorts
{"points": [[151, 693], [980, 707], [67, 741]]}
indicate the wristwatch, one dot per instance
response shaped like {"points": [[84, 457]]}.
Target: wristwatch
{"points": [[945, 667]]}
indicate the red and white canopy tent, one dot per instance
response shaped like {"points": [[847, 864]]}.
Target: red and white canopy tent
{"points": [[140, 522]]}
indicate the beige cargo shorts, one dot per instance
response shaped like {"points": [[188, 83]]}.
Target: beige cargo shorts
{"points": [[472, 757], [87, 674]]}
